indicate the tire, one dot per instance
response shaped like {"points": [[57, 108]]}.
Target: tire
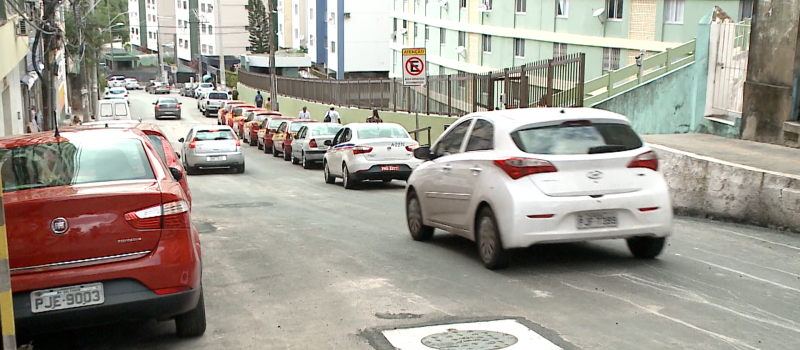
{"points": [[418, 230], [240, 169], [179, 117], [286, 156], [304, 162], [253, 142], [192, 323], [275, 152], [260, 146], [646, 247], [346, 179], [190, 170], [329, 179], [295, 160], [487, 238]]}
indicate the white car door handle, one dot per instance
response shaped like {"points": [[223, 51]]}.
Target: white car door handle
{"points": [[447, 167], [476, 170]]}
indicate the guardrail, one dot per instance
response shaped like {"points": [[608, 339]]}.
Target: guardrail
{"points": [[416, 135], [612, 83]]}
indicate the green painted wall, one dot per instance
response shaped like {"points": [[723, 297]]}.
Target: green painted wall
{"points": [[292, 106], [693, 13]]}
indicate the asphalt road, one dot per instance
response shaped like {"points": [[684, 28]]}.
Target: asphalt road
{"points": [[294, 263]]}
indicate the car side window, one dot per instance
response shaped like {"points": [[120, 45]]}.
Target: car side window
{"points": [[338, 138], [482, 136], [348, 135], [451, 143], [301, 134], [282, 128]]}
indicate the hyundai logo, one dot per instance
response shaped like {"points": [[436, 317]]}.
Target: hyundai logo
{"points": [[595, 174], [59, 225]]}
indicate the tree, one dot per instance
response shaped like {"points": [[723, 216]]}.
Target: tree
{"points": [[258, 26]]}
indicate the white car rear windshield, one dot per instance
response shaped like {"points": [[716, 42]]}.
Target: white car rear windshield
{"points": [[118, 91], [577, 138], [217, 96], [325, 129], [211, 135], [80, 160], [380, 131], [206, 85]]}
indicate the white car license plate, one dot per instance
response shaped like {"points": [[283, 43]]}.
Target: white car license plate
{"points": [[215, 158], [390, 168], [597, 220], [67, 297]]}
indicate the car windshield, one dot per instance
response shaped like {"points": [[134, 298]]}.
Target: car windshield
{"points": [[168, 100], [261, 117], [325, 129], [217, 95], [81, 160], [275, 123], [206, 85], [378, 131], [211, 135], [577, 139]]}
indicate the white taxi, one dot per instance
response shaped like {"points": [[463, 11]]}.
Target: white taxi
{"points": [[514, 178], [370, 151]]}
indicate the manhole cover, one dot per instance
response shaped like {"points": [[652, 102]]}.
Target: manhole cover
{"points": [[469, 340]]}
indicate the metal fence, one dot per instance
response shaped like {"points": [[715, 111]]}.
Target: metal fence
{"points": [[556, 82]]}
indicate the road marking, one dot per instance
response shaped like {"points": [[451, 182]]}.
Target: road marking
{"points": [[411, 338]]}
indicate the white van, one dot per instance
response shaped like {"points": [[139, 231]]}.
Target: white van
{"points": [[113, 109]]}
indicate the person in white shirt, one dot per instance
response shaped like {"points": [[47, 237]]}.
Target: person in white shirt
{"points": [[332, 116], [304, 113]]}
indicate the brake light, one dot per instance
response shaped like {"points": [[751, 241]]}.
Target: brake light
{"points": [[178, 106], [576, 123], [647, 160], [313, 143], [158, 107], [169, 215], [520, 167], [361, 150], [193, 144], [412, 147], [238, 142]]}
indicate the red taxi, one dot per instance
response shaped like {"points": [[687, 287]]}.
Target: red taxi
{"points": [[253, 123], [267, 131], [99, 231], [226, 109], [282, 141], [237, 122]]}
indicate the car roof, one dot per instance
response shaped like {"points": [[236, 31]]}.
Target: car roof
{"points": [[362, 125], [46, 137], [524, 116], [120, 124]]}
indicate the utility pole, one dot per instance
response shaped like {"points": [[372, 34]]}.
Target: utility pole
{"points": [[273, 46], [218, 13]]}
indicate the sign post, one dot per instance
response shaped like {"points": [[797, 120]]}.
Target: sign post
{"points": [[415, 73]]}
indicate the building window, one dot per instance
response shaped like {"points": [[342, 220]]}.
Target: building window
{"points": [[673, 11], [745, 9], [416, 27], [442, 36], [487, 43], [203, 28], [559, 50], [185, 5], [562, 7], [205, 48], [210, 50], [463, 4], [519, 48], [311, 14], [203, 7], [441, 70], [610, 59], [296, 9], [311, 39], [614, 9], [280, 28], [333, 47], [427, 33], [180, 23], [210, 29], [521, 6], [462, 39], [488, 4], [296, 33]]}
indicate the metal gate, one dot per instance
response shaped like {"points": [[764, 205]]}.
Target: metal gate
{"points": [[730, 46]]}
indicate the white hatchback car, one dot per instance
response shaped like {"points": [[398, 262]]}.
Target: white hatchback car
{"points": [[514, 178], [117, 93], [370, 151]]}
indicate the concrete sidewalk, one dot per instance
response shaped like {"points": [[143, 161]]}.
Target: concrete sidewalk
{"points": [[729, 179]]}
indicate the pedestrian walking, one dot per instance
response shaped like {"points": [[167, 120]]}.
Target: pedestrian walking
{"points": [[304, 113], [374, 118], [259, 99], [269, 104], [235, 93], [332, 116], [33, 126]]}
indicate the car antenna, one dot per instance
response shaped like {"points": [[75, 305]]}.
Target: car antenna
{"points": [[55, 123]]}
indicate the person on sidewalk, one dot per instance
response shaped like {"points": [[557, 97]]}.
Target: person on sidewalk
{"points": [[332, 116], [235, 94], [304, 113], [268, 106], [259, 99], [374, 118], [33, 126]]}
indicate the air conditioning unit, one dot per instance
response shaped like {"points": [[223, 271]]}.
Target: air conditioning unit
{"points": [[22, 28], [393, 35]]}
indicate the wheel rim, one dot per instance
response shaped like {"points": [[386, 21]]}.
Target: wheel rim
{"points": [[327, 174], [486, 231], [345, 177], [414, 215]]}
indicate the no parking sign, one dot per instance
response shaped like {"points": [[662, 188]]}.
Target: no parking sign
{"points": [[414, 67]]}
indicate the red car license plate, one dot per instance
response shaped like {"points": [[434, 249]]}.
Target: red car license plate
{"points": [[390, 168]]}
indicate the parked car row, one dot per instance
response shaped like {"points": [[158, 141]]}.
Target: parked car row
{"points": [[119, 81], [99, 225]]}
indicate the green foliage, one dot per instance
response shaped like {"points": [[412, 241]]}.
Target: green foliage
{"points": [[258, 21], [95, 24], [231, 78]]}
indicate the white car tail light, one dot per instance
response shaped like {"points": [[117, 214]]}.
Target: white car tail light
{"points": [[361, 150], [647, 160], [520, 167], [169, 215], [313, 143]]}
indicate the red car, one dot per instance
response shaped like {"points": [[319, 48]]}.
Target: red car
{"points": [[267, 130], [99, 231], [282, 141], [160, 143]]}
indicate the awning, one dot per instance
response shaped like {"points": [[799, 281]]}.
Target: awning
{"points": [[30, 79]]}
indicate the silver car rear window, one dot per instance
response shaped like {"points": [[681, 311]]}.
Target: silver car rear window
{"points": [[577, 138], [211, 135], [217, 96]]}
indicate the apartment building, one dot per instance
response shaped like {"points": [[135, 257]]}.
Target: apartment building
{"points": [[152, 24], [317, 31], [200, 32], [356, 43], [13, 70], [477, 36], [299, 27]]}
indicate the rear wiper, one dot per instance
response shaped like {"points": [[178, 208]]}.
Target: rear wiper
{"points": [[222, 138], [607, 149]]}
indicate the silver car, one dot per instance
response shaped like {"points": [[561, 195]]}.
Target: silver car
{"points": [[308, 147], [211, 147]]}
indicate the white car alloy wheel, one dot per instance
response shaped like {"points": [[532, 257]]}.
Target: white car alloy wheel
{"points": [[418, 230], [490, 247], [327, 173]]}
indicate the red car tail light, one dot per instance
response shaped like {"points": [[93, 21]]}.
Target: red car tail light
{"points": [[178, 106], [647, 160], [361, 150], [313, 143], [158, 107], [169, 215], [193, 144], [238, 142], [520, 167], [411, 148]]}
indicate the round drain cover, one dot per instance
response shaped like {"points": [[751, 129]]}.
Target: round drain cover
{"points": [[469, 340]]}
